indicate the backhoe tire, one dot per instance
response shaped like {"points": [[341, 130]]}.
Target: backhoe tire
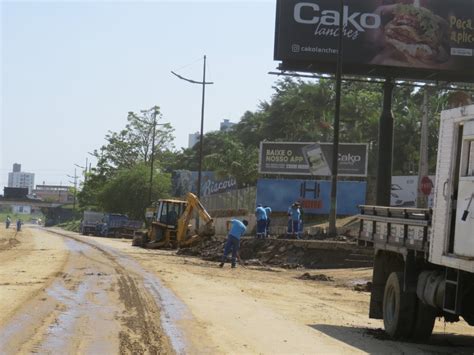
{"points": [[425, 317], [398, 308], [138, 241]]}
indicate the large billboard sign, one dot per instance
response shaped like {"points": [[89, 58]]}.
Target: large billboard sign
{"points": [[284, 158], [401, 38]]}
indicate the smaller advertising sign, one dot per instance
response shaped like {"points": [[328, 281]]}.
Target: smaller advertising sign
{"points": [[285, 158], [404, 190], [313, 195]]}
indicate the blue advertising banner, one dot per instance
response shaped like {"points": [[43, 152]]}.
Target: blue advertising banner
{"points": [[313, 195]]}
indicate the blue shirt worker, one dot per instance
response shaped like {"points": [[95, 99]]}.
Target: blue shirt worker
{"points": [[232, 244], [18, 225], [268, 211], [261, 216], [294, 216]]}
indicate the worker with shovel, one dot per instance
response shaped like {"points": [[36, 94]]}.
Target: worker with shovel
{"points": [[232, 244]]}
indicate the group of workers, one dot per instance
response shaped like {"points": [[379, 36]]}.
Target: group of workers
{"points": [[8, 221], [262, 215]]}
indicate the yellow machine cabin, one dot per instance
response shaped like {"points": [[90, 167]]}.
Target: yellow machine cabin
{"points": [[170, 227]]}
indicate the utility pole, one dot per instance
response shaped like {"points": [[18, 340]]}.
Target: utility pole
{"points": [[203, 83], [75, 189], [335, 144], [422, 200]]}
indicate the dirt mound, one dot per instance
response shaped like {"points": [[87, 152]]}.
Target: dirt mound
{"points": [[289, 254], [316, 277], [8, 243]]}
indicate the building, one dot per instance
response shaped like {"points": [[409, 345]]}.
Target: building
{"points": [[193, 138], [17, 178], [226, 125], [54, 193]]}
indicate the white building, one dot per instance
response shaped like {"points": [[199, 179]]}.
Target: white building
{"points": [[226, 125], [193, 138], [17, 178]]}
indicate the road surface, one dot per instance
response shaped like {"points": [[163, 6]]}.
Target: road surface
{"points": [[62, 292]]}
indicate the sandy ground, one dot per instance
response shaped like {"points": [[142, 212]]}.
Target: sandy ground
{"points": [[205, 309], [61, 296]]}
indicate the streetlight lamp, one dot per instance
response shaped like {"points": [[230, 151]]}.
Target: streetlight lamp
{"points": [[203, 83]]}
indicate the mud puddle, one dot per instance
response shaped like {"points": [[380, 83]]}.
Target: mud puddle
{"points": [[172, 310]]}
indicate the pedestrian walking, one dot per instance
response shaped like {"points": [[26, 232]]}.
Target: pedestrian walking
{"points": [[261, 217], [232, 243], [18, 225], [7, 222], [293, 221], [268, 211]]}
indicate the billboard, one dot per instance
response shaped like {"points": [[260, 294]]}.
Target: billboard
{"points": [[313, 195], [285, 158], [400, 38]]}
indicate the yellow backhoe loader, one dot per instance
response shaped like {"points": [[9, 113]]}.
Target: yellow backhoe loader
{"points": [[170, 228]]}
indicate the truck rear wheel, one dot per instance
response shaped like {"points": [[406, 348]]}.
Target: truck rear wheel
{"points": [[398, 307], [425, 317]]}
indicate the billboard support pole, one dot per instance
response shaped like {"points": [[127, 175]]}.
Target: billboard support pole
{"points": [[335, 146], [385, 147]]}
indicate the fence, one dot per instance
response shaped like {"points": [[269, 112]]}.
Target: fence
{"points": [[242, 199]]}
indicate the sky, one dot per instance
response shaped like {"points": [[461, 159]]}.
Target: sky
{"points": [[72, 70]]}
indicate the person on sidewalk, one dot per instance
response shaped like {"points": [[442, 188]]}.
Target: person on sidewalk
{"points": [[232, 244], [268, 211], [261, 217]]}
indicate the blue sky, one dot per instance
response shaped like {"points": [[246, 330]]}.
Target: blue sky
{"points": [[72, 70]]}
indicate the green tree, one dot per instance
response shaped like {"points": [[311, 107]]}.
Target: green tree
{"points": [[127, 191]]}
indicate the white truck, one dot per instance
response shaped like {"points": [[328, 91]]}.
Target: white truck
{"points": [[424, 258]]}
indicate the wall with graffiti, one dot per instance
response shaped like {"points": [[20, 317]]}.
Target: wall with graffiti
{"points": [[184, 181]]}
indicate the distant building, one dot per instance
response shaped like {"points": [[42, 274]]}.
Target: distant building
{"points": [[193, 139], [17, 194], [17, 178], [226, 125], [54, 193]]}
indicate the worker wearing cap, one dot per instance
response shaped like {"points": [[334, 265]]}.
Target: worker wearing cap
{"points": [[261, 217], [232, 244]]}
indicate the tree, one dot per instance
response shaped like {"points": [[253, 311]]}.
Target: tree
{"points": [[127, 191]]}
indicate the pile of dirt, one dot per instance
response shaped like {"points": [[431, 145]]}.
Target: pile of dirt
{"points": [[289, 254], [8, 243], [363, 287], [316, 277]]}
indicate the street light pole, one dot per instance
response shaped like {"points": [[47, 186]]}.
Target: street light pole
{"points": [[335, 144], [152, 155], [203, 83]]}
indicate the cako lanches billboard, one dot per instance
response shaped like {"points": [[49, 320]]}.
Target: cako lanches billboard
{"points": [[285, 158], [405, 38]]}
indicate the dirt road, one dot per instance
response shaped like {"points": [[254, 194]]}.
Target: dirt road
{"points": [[110, 297]]}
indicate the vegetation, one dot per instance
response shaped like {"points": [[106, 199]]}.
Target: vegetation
{"points": [[298, 111]]}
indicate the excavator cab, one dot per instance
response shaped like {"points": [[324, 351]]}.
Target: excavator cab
{"points": [[170, 228]]}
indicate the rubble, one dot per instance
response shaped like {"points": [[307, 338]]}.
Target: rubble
{"points": [[289, 254]]}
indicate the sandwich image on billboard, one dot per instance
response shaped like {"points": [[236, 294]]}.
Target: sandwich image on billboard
{"points": [[316, 160], [404, 38]]}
